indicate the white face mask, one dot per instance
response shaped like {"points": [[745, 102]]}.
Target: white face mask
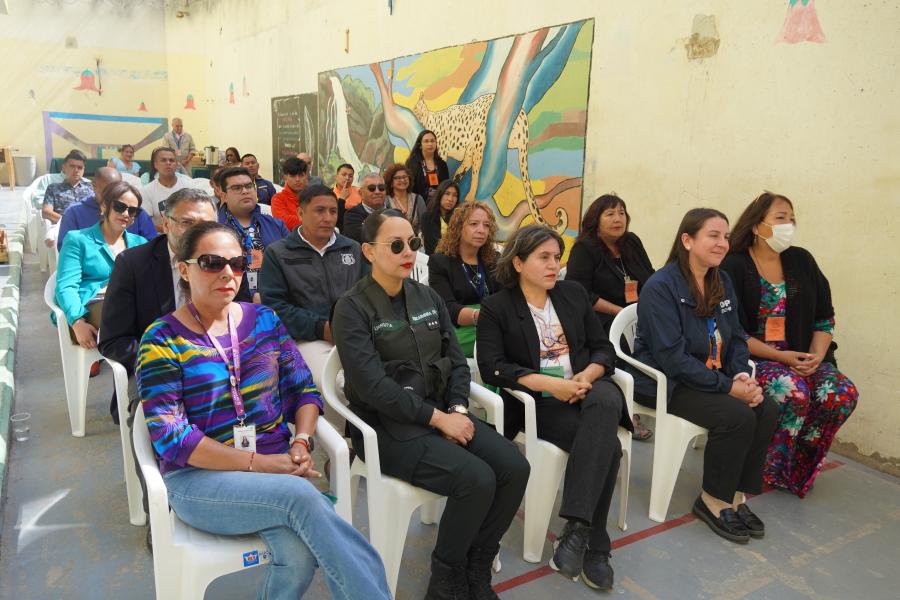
{"points": [[782, 236]]}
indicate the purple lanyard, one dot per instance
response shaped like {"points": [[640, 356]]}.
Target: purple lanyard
{"points": [[234, 369]]}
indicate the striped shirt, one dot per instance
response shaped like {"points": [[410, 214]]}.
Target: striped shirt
{"points": [[186, 395]]}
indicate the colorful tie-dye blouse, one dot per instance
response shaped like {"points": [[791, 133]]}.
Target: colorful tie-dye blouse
{"points": [[773, 303], [186, 395]]}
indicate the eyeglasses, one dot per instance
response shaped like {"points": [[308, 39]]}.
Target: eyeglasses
{"points": [[212, 263], [372, 187], [183, 222], [398, 245], [121, 208], [239, 187]]}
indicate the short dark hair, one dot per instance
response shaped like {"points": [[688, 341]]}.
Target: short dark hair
{"points": [[248, 154], [294, 166], [434, 205], [345, 166], [222, 175], [187, 195], [114, 191], [314, 191], [373, 222], [191, 238], [521, 244], [391, 172], [75, 155]]}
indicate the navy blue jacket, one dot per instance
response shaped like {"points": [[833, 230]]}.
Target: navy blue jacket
{"points": [[673, 339]]}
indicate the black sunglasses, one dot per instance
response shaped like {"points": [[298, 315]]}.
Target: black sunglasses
{"points": [[212, 263], [397, 245], [372, 187], [120, 207]]}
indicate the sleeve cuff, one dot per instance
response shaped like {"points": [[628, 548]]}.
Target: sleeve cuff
{"points": [[320, 330]]}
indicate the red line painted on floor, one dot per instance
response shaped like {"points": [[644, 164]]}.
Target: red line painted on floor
{"points": [[637, 536]]}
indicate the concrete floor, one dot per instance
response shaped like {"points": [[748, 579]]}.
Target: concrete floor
{"points": [[65, 530]]}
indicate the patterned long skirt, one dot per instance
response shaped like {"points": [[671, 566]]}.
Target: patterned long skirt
{"points": [[812, 409]]}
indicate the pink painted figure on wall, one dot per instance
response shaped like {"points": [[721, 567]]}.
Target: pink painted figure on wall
{"points": [[231, 93], [189, 102], [88, 82], [801, 24], [142, 107]]}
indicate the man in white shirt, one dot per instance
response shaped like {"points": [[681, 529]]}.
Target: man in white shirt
{"points": [[165, 162], [182, 143]]}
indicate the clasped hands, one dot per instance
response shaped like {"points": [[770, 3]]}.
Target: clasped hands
{"points": [[746, 389]]}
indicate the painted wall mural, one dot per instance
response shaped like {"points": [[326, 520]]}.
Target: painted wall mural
{"points": [[801, 24], [98, 136], [510, 115]]}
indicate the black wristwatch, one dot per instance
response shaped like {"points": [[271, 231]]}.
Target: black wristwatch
{"points": [[458, 408]]}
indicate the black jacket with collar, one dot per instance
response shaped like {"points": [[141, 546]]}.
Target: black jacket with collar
{"points": [[600, 274], [448, 277], [508, 348], [808, 296], [353, 222], [139, 292]]}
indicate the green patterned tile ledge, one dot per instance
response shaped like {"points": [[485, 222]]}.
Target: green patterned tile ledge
{"points": [[10, 277]]}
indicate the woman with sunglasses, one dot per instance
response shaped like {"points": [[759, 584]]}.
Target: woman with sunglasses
{"points": [[439, 210], [540, 335], [397, 179], [407, 378], [461, 269], [219, 381], [86, 261]]}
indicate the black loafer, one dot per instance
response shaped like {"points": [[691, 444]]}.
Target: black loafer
{"points": [[753, 523], [726, 525]]}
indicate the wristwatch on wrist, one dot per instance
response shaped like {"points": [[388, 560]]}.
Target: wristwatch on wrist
{"points": [[305, 439], [458, 408]]}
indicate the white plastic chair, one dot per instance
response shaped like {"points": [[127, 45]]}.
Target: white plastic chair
{"points": [[265, 209], [186, 560], [132, 179], [136, 513], [202, 184], [33, 227], [76, 362], [420, 269], [548, 464], [672, 435], [562, 273], [391, 501]]}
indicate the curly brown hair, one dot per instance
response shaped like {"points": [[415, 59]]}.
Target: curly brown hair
{"points": [[449, 242], [391, 172]]}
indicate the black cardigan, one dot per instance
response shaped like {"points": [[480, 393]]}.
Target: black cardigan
{"points": [[431, 227], [808, 295], [508, 347], [420, 180], [596, 269], [448, 277]]}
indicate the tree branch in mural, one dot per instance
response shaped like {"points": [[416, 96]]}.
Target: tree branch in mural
{"points": [[399, 120]]}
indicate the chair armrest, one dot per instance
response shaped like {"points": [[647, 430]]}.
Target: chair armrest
{"points": [[625, 381], [157, 495], [370, 439], [335, 447], [492, 404], [531, 437], [662, 393]]}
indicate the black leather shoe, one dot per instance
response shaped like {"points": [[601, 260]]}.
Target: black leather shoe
{"points": [[726, 525], [568, 555], [753, 523], [596, 571]]}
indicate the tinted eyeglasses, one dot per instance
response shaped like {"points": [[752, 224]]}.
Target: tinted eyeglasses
{"points": [[373, 186], [397, 245], [212, 263], [121, 208]]}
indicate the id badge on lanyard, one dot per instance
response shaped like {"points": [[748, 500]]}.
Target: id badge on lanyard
{"points": [[244, 434], [631, 290], [714, 361]]}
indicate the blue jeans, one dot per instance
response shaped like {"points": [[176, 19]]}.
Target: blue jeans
{"points": [[297, 523]]}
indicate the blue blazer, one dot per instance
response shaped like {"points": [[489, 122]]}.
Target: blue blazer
{"points": [[84, 266], [673, 339]]}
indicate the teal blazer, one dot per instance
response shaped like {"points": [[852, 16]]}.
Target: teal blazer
{"points": [[84, 266]]}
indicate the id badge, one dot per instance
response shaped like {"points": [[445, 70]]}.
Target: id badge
{"points": [[245, 438], [433, 179], [631, 291], [252, 279], [556, 371], [775, 329], [256, 259]]}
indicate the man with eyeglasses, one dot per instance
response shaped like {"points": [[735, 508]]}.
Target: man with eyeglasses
{"points": [[371, 190], [295, 173], [144, 286], [241, 212], [86, 213], [304, 274]]}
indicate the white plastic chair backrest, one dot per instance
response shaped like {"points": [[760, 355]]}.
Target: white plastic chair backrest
{"points": [[562, 273], [333, 366], [202, 184], [420, 269], [50, 297], [156, 491], [624, 324], [39, 187], [132, 179], [265, 209], [277, 187]]}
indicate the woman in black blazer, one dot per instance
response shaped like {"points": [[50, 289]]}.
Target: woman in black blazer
{"points": [[426, 165], [437, 214], [461, 270], [540, 335]]}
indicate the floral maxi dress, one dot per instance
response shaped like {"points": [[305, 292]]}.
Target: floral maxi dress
{"points": [[811, 409]]}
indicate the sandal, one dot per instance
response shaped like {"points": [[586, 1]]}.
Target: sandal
{"points": [[641, 432]]}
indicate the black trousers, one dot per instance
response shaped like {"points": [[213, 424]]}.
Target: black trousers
{"points": [[588, 431], [484, 482], [739, 438]]}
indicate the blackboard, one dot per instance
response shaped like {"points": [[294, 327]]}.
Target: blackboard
{"points": [[293, 129]]}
